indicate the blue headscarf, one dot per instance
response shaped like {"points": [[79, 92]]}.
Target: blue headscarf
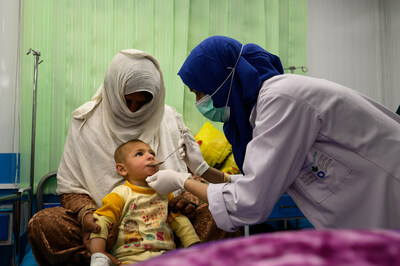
{"points": [[209, 64]]}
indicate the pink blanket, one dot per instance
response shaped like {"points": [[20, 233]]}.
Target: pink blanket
{"points": [[306, 247]]}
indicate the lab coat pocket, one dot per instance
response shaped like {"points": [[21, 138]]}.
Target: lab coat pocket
{"points": [[321, 175]]}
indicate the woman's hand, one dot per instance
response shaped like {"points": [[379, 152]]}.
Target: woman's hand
{"points": [[181, 204], [88, 227]]}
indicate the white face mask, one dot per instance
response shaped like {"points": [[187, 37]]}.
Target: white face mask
{"points": [[206, 105]]}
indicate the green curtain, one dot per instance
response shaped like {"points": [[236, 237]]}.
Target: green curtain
{"points": [[78, 38]]}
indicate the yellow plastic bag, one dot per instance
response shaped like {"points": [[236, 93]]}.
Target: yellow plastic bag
{"points": [[229, 166], [213, 145]]}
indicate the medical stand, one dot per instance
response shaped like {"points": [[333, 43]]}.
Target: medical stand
{"points": [[15, 198], [36, 54]]}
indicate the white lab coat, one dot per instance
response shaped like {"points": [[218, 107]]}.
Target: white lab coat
{"points": [[334, 150]]}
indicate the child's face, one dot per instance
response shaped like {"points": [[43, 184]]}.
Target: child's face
{"points": [[138, 156]]}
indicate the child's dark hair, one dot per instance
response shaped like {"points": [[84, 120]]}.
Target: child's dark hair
{"points": [[119, 155]]}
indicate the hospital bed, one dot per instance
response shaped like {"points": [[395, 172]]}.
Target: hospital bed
{"points": [[305, 247]]}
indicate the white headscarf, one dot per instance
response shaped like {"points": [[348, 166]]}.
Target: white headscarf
{"points": [[99, 126]]}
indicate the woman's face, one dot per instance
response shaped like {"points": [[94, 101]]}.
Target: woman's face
{"points": [[136, 100], [198, 94]]}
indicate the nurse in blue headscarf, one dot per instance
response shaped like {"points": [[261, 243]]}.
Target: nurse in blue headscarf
{"points": [[324, 144]]}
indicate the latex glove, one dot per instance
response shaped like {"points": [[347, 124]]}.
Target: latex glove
{"points": [[191, 154], [167, 181]]}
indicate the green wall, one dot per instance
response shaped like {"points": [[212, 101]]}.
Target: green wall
{"points": [[78, 38]]}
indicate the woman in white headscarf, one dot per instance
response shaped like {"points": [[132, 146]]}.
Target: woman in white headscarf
{"points": [[128, 105]]}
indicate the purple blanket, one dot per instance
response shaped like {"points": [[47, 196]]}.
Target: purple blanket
{"points": [[307, 247]]}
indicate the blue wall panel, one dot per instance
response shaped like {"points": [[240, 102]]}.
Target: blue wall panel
{"points": [[9, 168]]}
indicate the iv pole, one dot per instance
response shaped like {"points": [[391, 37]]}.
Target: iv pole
{"points": [[31, 180]]}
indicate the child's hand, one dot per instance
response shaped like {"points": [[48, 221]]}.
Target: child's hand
{"points": [[113, 259]]}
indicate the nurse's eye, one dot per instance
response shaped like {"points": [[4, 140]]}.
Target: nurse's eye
{"points": [[138, 154]]}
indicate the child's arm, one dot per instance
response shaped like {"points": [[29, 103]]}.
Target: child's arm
{"points": [[97, 244], [112, 205], [109, 213], [99, 256], [98, 240], [184, 229]]}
